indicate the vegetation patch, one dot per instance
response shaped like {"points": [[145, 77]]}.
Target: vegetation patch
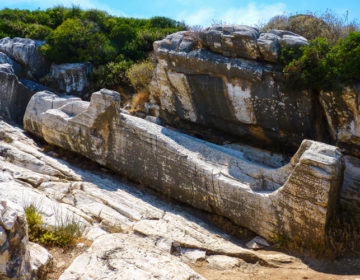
{"points": [[111, 43], [62, 235], [320, 66]]}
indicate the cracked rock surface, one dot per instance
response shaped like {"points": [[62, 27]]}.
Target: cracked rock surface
{"points": [[155, 239]]}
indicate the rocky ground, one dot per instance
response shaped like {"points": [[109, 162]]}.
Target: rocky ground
{"points": [[130, 232]]}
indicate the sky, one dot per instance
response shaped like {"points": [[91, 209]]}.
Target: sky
{"points": [[200, 12]]}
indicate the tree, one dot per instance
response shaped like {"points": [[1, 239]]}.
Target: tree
{"points": [[77, 41]]}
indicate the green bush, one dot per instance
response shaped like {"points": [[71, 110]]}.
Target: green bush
{"points": [[320, 66], [61, 236], [36, 31], [78, 41], [140, 74], [74, 35], [311, 25], [112, 74]]}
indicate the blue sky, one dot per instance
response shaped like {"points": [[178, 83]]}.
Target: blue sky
{"points": [[199, 12]]}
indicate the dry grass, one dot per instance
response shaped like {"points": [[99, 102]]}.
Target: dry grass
{"points": [[138, 101]]}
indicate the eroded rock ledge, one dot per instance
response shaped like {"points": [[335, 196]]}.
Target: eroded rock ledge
{"points": [[296, 199], [229, 78]]}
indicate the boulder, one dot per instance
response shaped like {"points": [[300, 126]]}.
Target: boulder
{"points": [[233, 84], [14, 96], [70, 78], [127, 257], [27, 53], [350, 191], [241, 41], [40, 261], [14, 254], [4, 59], [295, 200], [342, 112]]}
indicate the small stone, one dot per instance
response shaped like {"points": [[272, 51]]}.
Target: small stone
{"points": [[192, 255], [40, 261], [220, 262], [257, 243], [3, 236], [164, 244]]}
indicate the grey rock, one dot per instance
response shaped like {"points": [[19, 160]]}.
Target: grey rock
{"points": [[128, 257], [193, 255], [4, 59], [342, 112], [14, 96], [222, 262], [70, 78], [350, 191], [237, 41], [257, 243], [14, 254], [27, 53], [204, 175], [40, 261], [34, 86], [231, 86]]}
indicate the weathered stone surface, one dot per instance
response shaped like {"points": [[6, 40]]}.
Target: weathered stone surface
{"points": [[14, 96], [34, 86], [40, 261], [104, 204], [4, 59], [121, 256], [257, 243], [14, 254], [216, 87], [342, 111], [70, 78], [193, 255], [297, 198], [237, 41], [27, 53], [222, 262], [350, 192]]}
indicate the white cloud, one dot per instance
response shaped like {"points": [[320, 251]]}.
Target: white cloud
{"points": [[198, 17], [252, 14], [44, 4]]}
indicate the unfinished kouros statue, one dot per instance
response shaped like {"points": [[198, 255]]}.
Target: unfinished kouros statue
{"points": [[295, 200]]}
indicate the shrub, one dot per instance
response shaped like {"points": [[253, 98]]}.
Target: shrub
{"points": [[36, 31], [140, 74], [345, 58], [62, 235], [112, 74], [77, 41], [311, 25], [310, 70], [320, 66]]}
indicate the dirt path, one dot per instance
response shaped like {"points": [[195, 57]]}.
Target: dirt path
{"points": [[345, 269]]}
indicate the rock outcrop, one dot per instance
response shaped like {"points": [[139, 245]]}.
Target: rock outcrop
{"points": [[150, 227], [27, 53], [14, 254], [296, 199], [70, 78], [115, 256], [343, 116], [14, 96], [225, 77], [4, 59]]}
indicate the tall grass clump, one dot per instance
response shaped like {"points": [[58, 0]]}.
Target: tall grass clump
{"points": [[62, 235]]}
